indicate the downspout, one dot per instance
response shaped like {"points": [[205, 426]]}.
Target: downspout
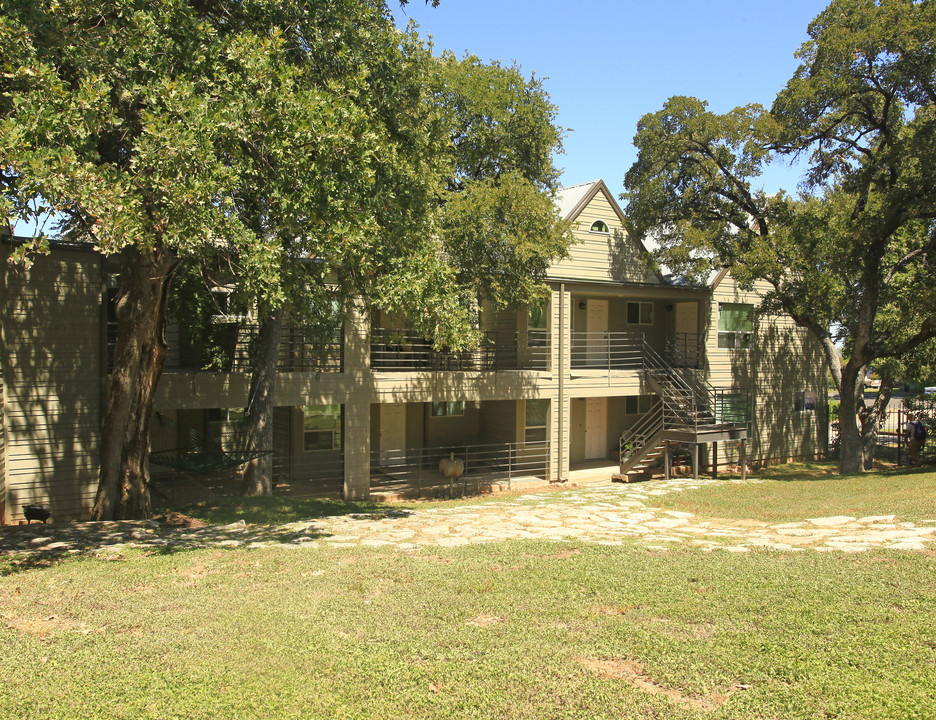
{"points": [[561, 364]]}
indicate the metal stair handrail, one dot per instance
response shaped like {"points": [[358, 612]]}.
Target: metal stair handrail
{"points": [[636, 436], [688, 399]]}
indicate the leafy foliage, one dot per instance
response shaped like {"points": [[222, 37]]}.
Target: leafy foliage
{"points": [[852, 255]]}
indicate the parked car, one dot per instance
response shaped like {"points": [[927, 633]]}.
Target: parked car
{"points": [[930, 390]]}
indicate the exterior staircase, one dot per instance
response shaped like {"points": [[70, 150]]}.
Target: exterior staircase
{"points": [[686, 412]]}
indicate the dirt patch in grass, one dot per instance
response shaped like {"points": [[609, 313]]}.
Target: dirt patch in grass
{"points": [[179, 520], [634, 673], [484, 620], [46, 627]]}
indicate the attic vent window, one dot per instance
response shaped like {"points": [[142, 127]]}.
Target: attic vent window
{"points": [[599, 226]]}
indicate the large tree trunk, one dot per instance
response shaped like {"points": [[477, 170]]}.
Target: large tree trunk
{"points": [[123, 488], [871, 417], [851, 451], [258, 474]]}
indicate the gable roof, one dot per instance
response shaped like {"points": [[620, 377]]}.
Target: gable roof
{"points": [[573, 199]]}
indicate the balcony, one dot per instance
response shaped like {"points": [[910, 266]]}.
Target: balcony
{"points": [[607, 350], [403, 351], [231, 346], [625, 350]]}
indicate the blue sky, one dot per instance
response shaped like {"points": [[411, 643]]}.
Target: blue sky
{"points": [[609, 62]]}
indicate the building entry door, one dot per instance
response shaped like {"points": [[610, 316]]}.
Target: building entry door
{"points": [[392, 433], [596, 325], [596, 428], [687, 331]]}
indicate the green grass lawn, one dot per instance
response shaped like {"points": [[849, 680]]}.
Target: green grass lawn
{"points": [[802, 491], [509, 630]]}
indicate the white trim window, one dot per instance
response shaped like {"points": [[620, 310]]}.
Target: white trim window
{"points": [[638, 404], [536, 421], [448, 409], [321, 427], [601, 227], [804, 402], [735, 325], [640, 313]]}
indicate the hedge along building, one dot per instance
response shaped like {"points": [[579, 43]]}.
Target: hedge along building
{"points": [[617, 362]]}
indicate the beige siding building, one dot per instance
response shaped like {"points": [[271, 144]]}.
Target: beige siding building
{"points": [[620, 369]]}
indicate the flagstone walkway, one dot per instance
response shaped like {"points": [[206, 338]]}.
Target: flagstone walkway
{"points": [[612, 515], [606, 514]]}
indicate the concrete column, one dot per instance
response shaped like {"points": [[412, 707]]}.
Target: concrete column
{"points": [[357, 405], [560, 333]]}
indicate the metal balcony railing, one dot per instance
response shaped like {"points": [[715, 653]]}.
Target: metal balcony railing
{"points": [[401, 350], [418, 469], [607, 350], [234, 344]]}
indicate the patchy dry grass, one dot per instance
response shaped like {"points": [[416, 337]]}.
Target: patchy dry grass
{"points": [[509, 630], [809, 491], [512, 631]]}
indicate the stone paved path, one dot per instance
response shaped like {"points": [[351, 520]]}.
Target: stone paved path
{"points": [[606, 514], [611, 515]]}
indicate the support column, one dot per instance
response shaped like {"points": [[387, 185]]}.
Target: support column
{"points": [[695, 461], [742, 459], [667, 459], [560, 332], [357, 405]]}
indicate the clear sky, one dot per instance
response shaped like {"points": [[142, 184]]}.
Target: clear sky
{"points": [[608, 62]]}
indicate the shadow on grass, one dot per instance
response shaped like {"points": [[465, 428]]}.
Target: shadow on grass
{"points": [[814, 470], [828, 470], [279, 510], [231, 524]]}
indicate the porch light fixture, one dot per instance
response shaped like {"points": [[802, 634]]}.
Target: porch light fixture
{"points": [[583, 304]]}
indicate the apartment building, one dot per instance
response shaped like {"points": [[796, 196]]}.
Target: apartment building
{"points": [[621, 366]]}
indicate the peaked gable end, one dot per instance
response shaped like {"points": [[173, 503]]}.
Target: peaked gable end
{"points": [[603, 251]]}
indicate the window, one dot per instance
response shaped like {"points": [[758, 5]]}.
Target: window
{"points": [[599, 226], [638, 404], [536, 420], [732, 408], [805, 402], [321, 426], [448, 409], [640, 313], [735, 325]]}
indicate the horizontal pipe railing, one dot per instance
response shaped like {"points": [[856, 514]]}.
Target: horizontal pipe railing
{"points": [[235, 347], [401, 350], [607, 350], [493, 462]]}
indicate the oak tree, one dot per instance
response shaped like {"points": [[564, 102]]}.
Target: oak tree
{"points": [[850, 257]]}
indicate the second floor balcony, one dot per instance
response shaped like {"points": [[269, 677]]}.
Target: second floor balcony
{"points": [[231, 347], [402, 351], [625, 350]]}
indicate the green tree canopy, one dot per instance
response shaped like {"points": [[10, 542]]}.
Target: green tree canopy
{"points": [[304, 144], [851, 256]]}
